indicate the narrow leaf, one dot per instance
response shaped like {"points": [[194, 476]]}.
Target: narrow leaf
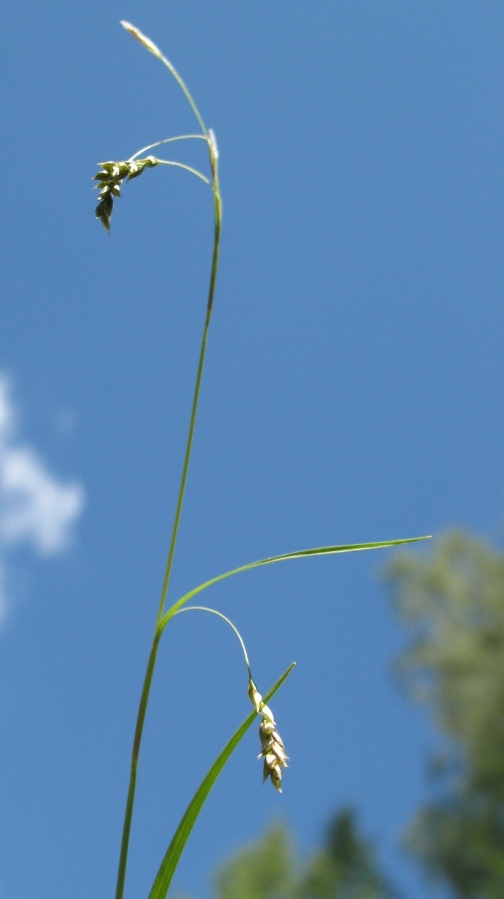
{"points": [[166, 871], [300, 554]]}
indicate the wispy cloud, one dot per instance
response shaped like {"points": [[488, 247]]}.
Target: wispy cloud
{"points": [[36, 508]]}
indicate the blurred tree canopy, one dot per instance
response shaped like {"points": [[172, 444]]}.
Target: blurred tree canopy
{"points": [[269, 868], [344, 868], [452, 603]]}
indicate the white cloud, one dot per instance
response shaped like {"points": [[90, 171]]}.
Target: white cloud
{"points": [[36, 508], [6, 411]]}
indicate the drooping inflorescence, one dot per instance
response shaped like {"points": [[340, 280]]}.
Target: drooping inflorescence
{"points": [[272, 747], [110, 178]]}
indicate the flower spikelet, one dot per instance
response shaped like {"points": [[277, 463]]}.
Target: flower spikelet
{"points": [[272, 746], [110, 178]]}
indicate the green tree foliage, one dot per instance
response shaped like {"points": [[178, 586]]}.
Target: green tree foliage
{"points": [[267, 869], [452, 601], [345, 868], [263, 869]]}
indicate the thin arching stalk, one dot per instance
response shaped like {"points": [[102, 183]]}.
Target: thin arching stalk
{"points": [[228, 621], [151, 47], [187, 168], [167, 140]]}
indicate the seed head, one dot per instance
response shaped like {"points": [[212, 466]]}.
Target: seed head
{"points": [[272, 746], [110, 178]]}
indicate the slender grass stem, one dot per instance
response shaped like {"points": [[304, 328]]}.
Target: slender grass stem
{"points": [[227, 620], [188, 168], [123, 859], [208, 136], [186, 91], [144, 699], [167, 140], [128, 815], [194, 410], [152, 48]]}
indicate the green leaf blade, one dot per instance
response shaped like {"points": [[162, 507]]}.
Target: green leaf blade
{"points": [[171, 859], [299, 554]]}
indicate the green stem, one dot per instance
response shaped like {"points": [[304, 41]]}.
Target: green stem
{"points": [[144, 699], [228, 621], [128, 815], [194, 410], [167, 140], [186, 91], [188, 168], [152, 48]]}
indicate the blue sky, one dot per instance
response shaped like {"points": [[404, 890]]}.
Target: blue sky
{"points": [[353, 391]]}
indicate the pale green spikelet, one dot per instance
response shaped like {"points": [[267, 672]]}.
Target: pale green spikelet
{"points": [[272, 746], [110, 178]]}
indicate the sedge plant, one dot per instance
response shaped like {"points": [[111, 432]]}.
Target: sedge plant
{"points": [[272, 751]]}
